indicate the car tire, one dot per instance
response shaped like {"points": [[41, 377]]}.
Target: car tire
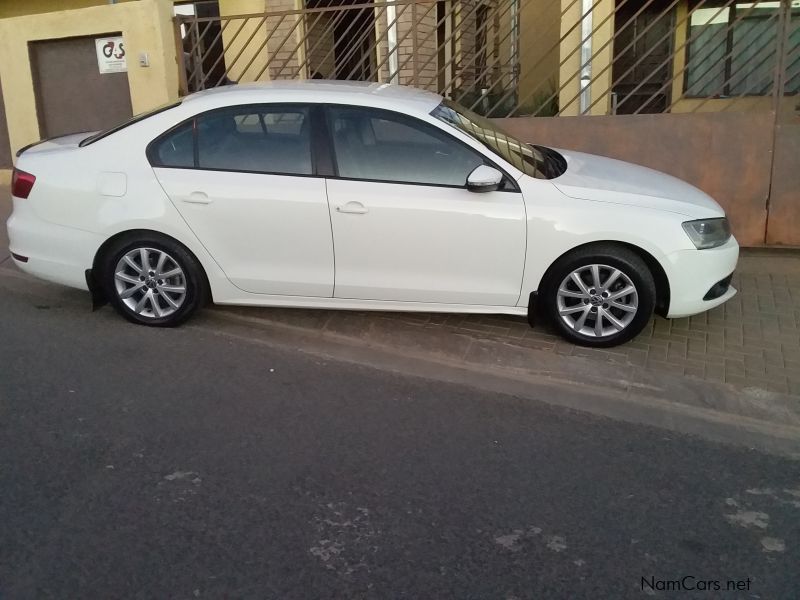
{"points": [[608, 283], [153, 280]]}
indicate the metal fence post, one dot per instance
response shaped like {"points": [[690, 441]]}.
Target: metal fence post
{"points": [[183, 84], [414, 44]]}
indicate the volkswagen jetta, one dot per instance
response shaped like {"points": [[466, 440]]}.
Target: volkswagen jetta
{"points": [[365, 197]]}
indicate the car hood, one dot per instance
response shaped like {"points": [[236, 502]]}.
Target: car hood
{"points": [[590, 177]]}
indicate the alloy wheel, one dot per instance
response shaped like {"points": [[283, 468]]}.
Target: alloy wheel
{"points": [[150, 282], [597, 300]]}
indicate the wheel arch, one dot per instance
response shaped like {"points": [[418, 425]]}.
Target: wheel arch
{"points": [[656, 269], [92, 276]]}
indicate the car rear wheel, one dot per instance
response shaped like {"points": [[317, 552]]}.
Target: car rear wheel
{"points": [[153, 281], [599, 296]]}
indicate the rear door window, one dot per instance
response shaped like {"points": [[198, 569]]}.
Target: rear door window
{"points": [[274, 139], [258, 139]]}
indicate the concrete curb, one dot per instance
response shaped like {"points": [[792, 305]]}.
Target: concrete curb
{"points": [[755, 418]]}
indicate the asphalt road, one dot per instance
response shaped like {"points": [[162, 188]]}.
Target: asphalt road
{"points": [[141, 463]]}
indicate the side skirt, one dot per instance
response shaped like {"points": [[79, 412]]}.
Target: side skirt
{"points": [[377, 305]]}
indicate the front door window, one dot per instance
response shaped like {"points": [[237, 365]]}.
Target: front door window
{"points": [[377, 145]]}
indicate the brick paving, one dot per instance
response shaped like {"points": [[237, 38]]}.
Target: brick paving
{"points": [[752, 341]]}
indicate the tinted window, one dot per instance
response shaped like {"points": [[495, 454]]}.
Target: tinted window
{"points": [[260, 139], [176, 149], [385, 146]]}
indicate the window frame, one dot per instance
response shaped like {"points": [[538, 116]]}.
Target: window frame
{"points": [[510, 184], [728, 56], [314, 115]]}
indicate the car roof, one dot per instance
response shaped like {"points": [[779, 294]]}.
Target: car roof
{"points": [[379, 95]]}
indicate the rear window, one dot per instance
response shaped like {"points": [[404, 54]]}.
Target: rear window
{"points": [[176, 149], [140, 117]]}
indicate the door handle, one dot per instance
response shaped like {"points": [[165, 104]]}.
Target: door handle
{"points": [[198, 198], [352, 208]]}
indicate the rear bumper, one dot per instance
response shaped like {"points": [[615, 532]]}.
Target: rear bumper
{"points": [[697, 279], [54, 253]]}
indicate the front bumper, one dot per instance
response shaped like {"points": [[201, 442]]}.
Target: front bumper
{"points": [[697, 278]]}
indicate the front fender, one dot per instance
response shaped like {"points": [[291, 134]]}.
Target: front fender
{"points": [[556, 229]]}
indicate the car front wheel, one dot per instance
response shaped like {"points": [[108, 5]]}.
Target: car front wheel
{"points": [[599, 296], [153, 281]]}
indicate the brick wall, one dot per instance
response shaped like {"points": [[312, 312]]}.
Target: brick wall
{"points": [[284, 47], [416, 34]]}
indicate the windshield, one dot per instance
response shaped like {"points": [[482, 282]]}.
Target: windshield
{"points": [[140, 117], [531, 160]]}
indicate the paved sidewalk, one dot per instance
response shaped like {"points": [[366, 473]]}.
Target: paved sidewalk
{"points": [[753, 341]]}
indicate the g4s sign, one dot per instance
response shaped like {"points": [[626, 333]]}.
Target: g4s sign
{"points": [[111, 54]]}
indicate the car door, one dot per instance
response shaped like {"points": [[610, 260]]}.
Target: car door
{"points": [[243, 179], [405, 226]]}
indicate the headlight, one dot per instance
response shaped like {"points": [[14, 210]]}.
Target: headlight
{"points": [[708, 233]]}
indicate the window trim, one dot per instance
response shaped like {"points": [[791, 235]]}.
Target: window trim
{"points": [[88, 141], [259, 107], [323, 154], [511, 184]]}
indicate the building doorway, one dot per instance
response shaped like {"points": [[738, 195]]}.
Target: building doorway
{"points": [[71, 94], [642, 71]]}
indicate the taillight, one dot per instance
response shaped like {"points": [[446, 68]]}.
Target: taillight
{"points": [[21, 183]]}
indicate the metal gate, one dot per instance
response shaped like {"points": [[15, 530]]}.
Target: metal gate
{"points": [[732, 67], [600, 57]]}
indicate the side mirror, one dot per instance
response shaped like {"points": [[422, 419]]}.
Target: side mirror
{"points": [[484, 179]]}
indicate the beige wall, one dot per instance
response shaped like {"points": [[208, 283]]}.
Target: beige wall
{"points": [[259, 49], [17, 8], [743, 104], [539, 30], [242, 39], [570, 59], [146, 26]]}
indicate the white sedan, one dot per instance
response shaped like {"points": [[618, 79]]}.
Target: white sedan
{"points": [[362, 197]]}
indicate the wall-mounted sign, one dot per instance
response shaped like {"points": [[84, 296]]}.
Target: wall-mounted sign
{"points": [[111, 55]]}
